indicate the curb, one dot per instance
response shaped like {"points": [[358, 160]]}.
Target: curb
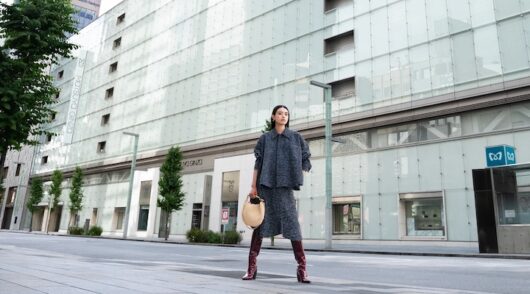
{"points": [[352, 251]]}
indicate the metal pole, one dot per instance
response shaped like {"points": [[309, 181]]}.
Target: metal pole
{"points": [[131, 180], [328, 134]]}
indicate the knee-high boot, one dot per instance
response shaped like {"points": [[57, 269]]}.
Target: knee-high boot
{"points": [[255, 246], [301, 273]]}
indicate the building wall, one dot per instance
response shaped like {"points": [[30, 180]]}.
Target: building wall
{"points": [[192, 73]]}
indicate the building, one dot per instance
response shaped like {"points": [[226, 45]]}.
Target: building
{"points": [[420, 88], [86, 11]]}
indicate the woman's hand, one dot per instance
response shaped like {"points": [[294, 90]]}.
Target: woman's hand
{"points": [[253, 192]]}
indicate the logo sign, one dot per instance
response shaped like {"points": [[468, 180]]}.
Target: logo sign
{"points": [[500, 155], [224, 215]]}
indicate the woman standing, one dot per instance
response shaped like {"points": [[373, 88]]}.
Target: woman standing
{"points": [[281, 156]]}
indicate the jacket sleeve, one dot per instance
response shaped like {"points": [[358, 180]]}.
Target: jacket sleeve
{"points": [[306, 154], [258, 153]]}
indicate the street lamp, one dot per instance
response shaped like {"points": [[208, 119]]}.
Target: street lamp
{"points": [[327, 214], [131, 178]]}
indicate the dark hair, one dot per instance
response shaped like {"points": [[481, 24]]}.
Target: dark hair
{"points": [[273, 123]]}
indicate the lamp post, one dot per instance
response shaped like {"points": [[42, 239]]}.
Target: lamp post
{"points": [[131, 179], [327, 214]]}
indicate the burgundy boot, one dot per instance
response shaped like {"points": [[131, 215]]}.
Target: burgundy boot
{"points": [[301, 273], [255, 246]]}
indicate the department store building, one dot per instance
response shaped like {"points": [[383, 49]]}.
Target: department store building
{"points": [[420, 88]]}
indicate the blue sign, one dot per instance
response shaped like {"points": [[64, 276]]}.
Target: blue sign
{"points": [[500, 155]]}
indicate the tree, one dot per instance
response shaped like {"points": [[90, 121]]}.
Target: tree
{"points": [[76, 196], [34, 33], [36, 193], [170, 185], [55, 191], [267, 127]]}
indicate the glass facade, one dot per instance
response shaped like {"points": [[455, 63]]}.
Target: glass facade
{"points": [[193, 72]]}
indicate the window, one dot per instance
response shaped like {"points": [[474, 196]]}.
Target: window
{"points": [[11, 196], [49, 138], [145, 198], [422, 215], [44, 160], [119, 213], [332, 4], [58, 94], [196, 216], [117, 43], [109, 93], [105, 119], [101, 146], [113, 67], [6, 170], [60, 74], [343, 88], [17, 172], [338, 43], [52, 116], [120, 18], [347, 215]]}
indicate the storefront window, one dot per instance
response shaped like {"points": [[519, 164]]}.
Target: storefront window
{"points": [[424, 216], [346, 217]]}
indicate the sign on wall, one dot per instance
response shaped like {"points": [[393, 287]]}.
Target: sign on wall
{"points": [[500, 155]]}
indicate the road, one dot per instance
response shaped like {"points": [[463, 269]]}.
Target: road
{"points": [[33, 263]]}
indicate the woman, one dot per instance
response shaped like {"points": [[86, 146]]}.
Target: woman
{"points": [[281, 156]]}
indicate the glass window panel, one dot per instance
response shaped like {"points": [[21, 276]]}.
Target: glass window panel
{"points": [[424, 217], [437, 23], [347, 218], [400, 74], [464, 58], [482, 12], [458, 15], [420, 69], [506, 8], [526, 24], [441, 64], [416, 21], [381, 79], [379, 22], [396, 26], [371, 227], [512, 45], [487, 52], [361, 6], [362, 37], [363, 87]]}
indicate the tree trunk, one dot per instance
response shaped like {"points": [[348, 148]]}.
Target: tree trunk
{"points": [[2, 161], [167, 224], [30, 221]]}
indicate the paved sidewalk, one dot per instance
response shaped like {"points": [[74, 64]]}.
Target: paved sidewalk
{"points": [[421, 248]]}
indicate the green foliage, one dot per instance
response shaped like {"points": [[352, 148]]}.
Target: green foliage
{"points": [[267, 127], [34, 33], [197, 236], [36, 193], [76, 194], [213, 237], [76, 231], [170, 183], [232, 237], [55, 188], [95, 231]]}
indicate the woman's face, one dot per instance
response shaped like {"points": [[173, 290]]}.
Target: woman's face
{"points": [[281, 117]]}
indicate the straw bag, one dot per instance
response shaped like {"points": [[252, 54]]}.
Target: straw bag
{"points": [[253, 212]]}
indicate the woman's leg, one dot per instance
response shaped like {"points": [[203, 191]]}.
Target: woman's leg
{"points": [[255, 246], [299, 255]]}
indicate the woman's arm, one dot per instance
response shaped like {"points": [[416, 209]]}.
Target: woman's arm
{"points": [[253, 187]]}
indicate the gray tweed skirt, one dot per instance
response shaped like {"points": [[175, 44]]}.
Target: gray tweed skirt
{"points": [[281, 216]]}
